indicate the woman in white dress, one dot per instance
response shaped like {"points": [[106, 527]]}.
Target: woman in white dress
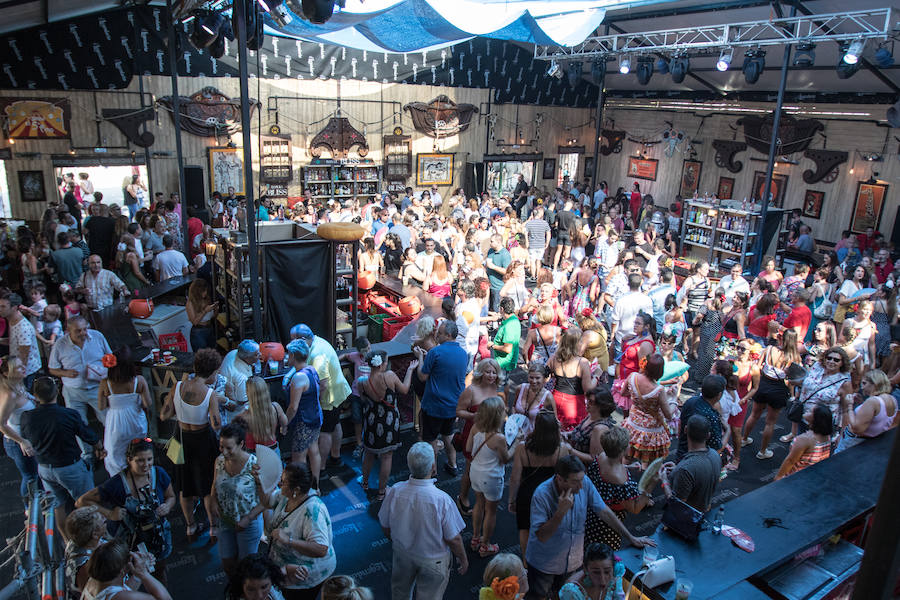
{"points": [[125, 396]]}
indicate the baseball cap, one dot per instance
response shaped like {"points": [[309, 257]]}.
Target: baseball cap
{"points": [[302, 330]]}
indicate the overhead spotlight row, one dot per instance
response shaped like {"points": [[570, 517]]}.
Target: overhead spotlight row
{"points": [[754, 63]]}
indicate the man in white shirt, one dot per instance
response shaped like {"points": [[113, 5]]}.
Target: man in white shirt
{"points": [[77, 358], [436, 200], [659, 294], [425, 259], [734, 282], [237, 368], [627, 307], [170, 263], [100, 284], [424, 527]]}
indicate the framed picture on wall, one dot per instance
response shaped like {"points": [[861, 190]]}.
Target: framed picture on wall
{"points": [[549, 171], [226, 170], [725, 190], [812, 204], [434, 169], [31, 186], [588, 167], [779, 185], [868, 206], [690, 178], [642, 168]]}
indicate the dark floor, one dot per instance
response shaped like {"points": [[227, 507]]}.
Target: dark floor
{"points": [[195, 571]]}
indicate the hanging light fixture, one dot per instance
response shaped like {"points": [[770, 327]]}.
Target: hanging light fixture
{"points": [[679, 67], [624, 65], [662, 65], [554, 68], [754, 64], [598, 71], [644, 69], [574, 73], [854, 51], [724, 59], [279, 12], [805, 55]]}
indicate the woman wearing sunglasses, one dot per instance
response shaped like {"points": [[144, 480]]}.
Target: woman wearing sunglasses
{"points": [[827, 383]]}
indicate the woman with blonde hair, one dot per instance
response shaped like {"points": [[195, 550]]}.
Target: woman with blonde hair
{"points": [[489, 451], [343, 587], [499, 575], [514, 285], [594, 345], [14, 400], [875, 415], [485, 377], [264, 418], [541, 340], [573, 380], [438, 283]]}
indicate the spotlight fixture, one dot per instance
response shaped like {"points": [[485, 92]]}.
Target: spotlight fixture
{"points": [[805, 55], [679, 67], [644, 69], [662, 65], [854, 51], [884, 58], [724, 59], [279, 12], [205, 30], [573, 70], [624, 65], [754, 64], [598, 71], [212, 23], [846, 70], [319, 11], [554, 68]]}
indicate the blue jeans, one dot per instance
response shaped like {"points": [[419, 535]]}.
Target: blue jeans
{"points": [[201, 337], [234, 543], [27, 465], [132, 210], [67, 483]]}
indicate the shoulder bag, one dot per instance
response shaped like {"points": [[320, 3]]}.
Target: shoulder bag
{"points": [[683, 519]]}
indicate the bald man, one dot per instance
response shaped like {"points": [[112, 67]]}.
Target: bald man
{"points": [[99, 284]]}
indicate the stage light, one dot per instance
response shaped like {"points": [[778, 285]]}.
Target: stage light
{"points": [[319, 11], [662, 65], [805, 55], [554, 68], [598, 71], [884, 58], [679, 67], [724, 59], [204, 31], [573, 70], [624, 65], [854, 51], [846, 70], [644, 69], [754, 64], [279, 12], [212, 23]]}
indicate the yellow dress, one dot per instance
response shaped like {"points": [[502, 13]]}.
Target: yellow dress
{"points": [[599, 350]]}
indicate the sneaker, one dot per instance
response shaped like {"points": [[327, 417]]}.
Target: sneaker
{"points": [[765, 455], [334, 463], [357, 452], [747, 441], [787, 438]]}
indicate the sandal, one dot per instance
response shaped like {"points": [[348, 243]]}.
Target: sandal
{"points": [[380, 495], [486, 550], [733, 466], [787, 438], [464, 510], [475, 543], [191, 532]]}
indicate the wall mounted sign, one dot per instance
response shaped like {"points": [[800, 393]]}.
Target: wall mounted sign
{"points": [[690, 178], [794, 135], [226, 170], [642, 168], [434, 169], [588, 167], [275, 159], [440, 118], [207, 113], [397, 156], [812, 204], [31, 186], [725, 190], [549, 171], [868, 206], [35, 118], [338, 137], [776, 191]]}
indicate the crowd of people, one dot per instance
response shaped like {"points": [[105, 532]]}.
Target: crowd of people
{"points": [[562, 314]]}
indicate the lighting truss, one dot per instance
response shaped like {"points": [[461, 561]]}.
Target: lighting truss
{"points": [[836, 27]]}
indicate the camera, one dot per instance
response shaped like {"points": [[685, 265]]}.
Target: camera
{"points": [[143, 525]]}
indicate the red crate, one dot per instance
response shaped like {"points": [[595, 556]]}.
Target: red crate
{"points": [[392, 326], [385, 306], [173, 342]]}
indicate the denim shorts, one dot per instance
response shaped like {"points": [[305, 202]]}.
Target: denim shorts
{"points": [[357, 408], [68, 483]]}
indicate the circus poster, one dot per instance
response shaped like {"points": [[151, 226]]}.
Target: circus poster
{"points": [[34, 118]]}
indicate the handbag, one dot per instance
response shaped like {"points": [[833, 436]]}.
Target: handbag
{"points": [[175, 449], [825, 310], [683, 519], [659, 572]]}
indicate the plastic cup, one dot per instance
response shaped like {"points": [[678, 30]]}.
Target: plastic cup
{"points": [[156, 355], [683, 589], [167, 357], [649, 554]]}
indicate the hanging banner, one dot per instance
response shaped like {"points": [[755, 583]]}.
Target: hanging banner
{"points": [[36, 118]]}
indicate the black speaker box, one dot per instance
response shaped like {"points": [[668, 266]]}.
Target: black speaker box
{"points": [[194, 187]]}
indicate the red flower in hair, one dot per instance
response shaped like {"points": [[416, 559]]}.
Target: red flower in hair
{"points": [[642, 364], [587, 312], [109, 361]]}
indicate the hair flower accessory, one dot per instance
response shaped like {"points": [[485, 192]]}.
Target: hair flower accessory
{"points": [[587, 312], [109, 361], [376, 361], [505, 589]]}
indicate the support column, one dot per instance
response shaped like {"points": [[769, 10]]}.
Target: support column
{"points": [[240, 8], [601, 100], [770, 165], [176, 109]]}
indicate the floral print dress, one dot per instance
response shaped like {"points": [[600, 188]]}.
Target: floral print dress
{"points": [[310, 522]]}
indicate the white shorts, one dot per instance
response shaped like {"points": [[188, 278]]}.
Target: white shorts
{"points": [[536, 253], [488, 483]]}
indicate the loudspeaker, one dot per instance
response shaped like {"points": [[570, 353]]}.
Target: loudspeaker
{"points": [[473, 180], [194, 187], [893, 115]]}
